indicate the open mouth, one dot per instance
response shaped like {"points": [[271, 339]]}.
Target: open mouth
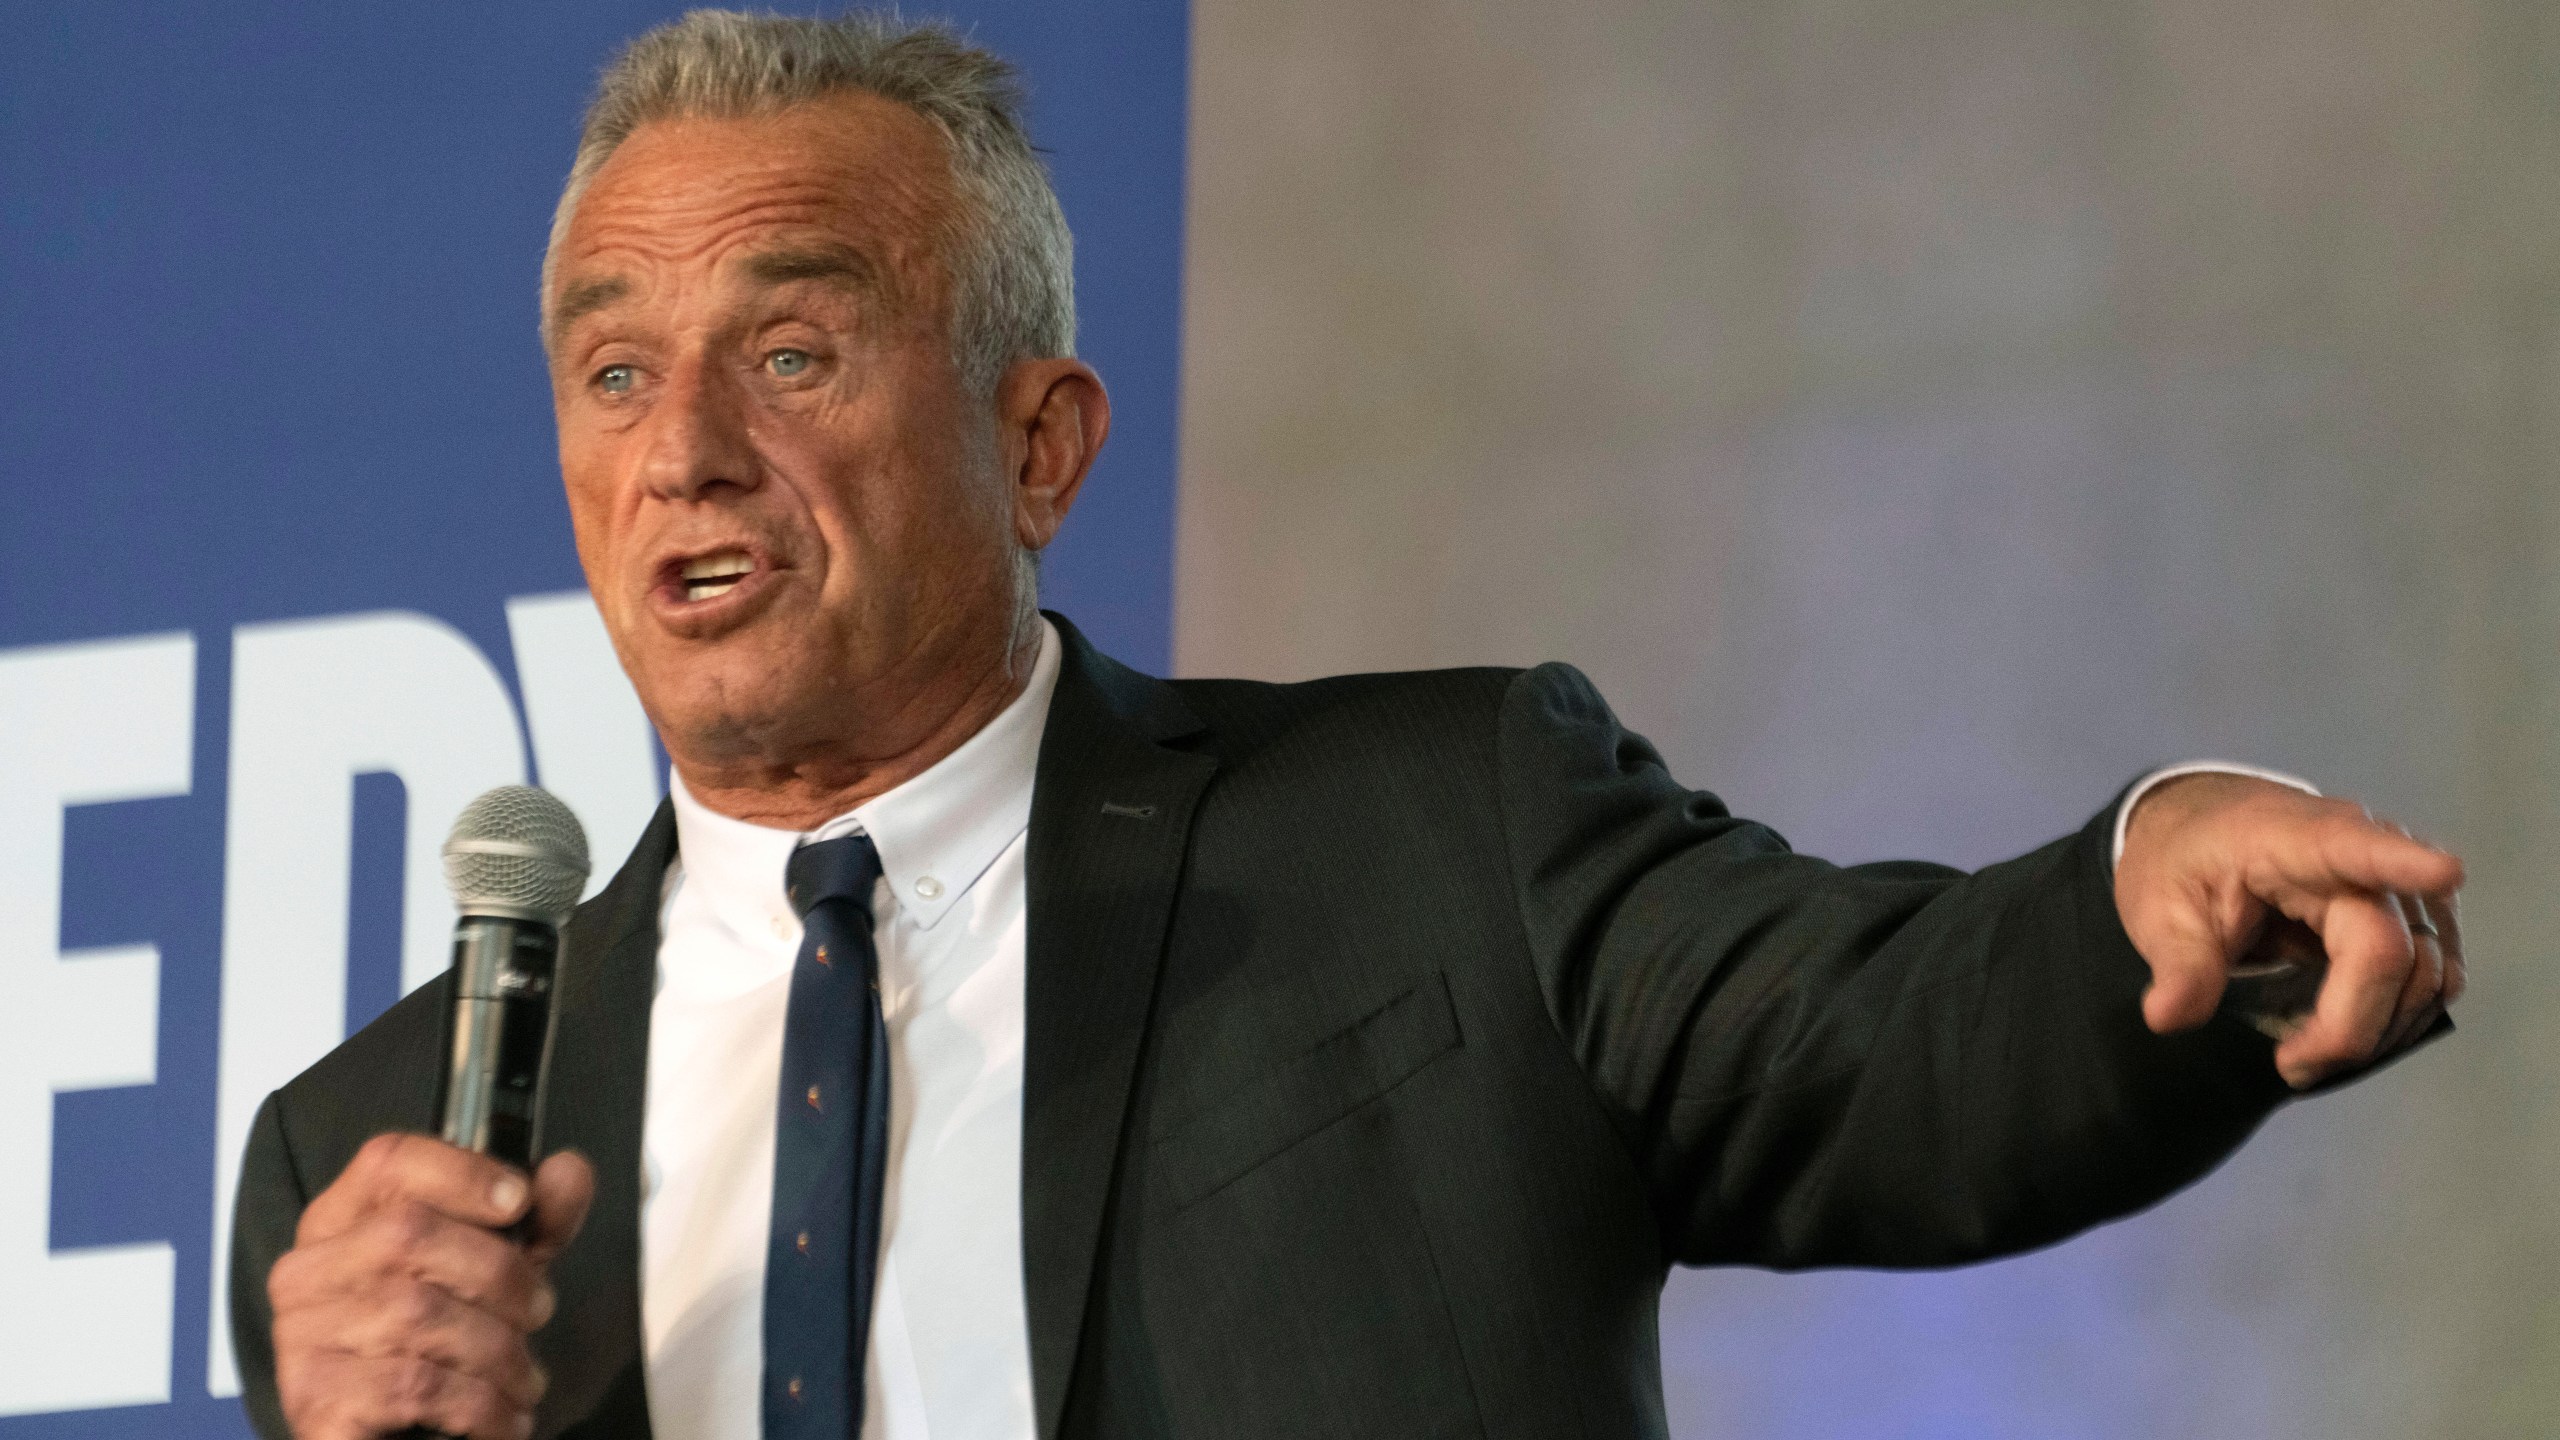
{"points": [[715, 575]]}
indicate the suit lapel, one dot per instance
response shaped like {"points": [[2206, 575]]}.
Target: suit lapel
{"points": [[1111, 814], [592, 1104]]}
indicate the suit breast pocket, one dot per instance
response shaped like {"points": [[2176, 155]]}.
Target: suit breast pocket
{"points": [[1306, 1094]]}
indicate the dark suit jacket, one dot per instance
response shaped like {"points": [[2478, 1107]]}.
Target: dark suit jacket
{"points": [[1388, 1037]]}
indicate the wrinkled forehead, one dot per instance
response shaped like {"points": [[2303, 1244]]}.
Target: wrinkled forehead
{"points": [[851, 189]]}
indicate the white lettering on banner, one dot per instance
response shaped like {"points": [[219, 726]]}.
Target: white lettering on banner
{"points": [[314, 703], [591, 740], [79, 725]]}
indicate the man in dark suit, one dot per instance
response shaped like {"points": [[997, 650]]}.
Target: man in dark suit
{"points": [[1216, 1058]]}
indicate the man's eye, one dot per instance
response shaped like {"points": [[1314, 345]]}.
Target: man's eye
{"points": [[788, 364], [616, 379]]}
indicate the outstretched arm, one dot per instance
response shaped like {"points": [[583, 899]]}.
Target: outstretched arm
{"points": [[1900, 1064]]}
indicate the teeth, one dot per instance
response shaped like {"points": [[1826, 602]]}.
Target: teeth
{"points": [[709, 567], [715, 574]]}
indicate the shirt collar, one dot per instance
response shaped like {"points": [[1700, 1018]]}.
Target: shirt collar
{"points": [[937, 832]]}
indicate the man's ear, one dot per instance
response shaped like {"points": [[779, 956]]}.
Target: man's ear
{"points": [[1055, 414]]}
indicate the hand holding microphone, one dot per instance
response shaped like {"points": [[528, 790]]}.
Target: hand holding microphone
{"points": [[404, 1303]]}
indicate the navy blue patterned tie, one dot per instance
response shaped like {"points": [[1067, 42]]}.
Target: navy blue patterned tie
{"points": [[831, 1144]]}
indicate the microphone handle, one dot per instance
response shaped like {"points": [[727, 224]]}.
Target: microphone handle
{"points": [[498, 1036], [498, 1045]]}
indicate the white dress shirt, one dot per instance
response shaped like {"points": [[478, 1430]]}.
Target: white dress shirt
{"points": [[950, 1347]]}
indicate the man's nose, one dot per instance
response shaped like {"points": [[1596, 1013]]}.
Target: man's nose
{"points": [[698, 440]]}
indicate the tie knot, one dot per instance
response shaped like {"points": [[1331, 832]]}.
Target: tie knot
{"points": [[839, 869]]}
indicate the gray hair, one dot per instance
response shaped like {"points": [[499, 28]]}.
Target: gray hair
{"points": [[1011, 260]]}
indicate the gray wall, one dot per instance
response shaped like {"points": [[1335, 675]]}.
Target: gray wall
{"points": [[1919, 418]]}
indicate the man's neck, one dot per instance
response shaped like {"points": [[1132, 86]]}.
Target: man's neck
{"points": [[806, 789]]}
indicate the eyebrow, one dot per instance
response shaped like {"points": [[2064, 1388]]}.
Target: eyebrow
{"points": [[841, 266], [585, 298]]}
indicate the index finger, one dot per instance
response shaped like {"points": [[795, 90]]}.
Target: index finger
{"points": [[2356, 852], [448, 1179]]}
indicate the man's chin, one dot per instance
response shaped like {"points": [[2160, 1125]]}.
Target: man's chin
{"points": [[730, 738], [735, 708]]}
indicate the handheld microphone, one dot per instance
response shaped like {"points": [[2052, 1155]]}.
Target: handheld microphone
{"points": [[516, 862]]}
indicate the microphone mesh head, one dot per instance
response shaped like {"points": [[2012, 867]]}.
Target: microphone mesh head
{"points": [[517, 849]]}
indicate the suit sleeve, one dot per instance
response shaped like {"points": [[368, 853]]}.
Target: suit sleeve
{"points": [[1877, 1065], [263, 1221]]}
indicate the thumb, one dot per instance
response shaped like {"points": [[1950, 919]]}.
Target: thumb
{"points": [[563, 1188], [2188, 970], [2187, 940]]}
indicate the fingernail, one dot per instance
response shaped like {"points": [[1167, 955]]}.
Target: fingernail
{"points": [[545, 1301], [541, 1382], [507, 1194], [524, 1427]]}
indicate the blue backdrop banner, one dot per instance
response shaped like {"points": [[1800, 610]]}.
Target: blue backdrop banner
{"points": [[288, 576]]}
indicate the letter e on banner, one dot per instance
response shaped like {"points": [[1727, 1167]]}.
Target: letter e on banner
{"points": [[79, 725]]}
